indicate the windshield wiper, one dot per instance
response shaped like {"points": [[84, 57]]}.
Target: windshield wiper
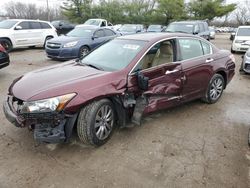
{"points": [[93, 66]]}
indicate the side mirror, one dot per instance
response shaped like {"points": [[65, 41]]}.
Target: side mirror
{"points": [[94, 37], [18, 27], [142, 81], [196, 32]]}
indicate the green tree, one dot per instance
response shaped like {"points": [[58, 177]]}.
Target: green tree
{"points": [[170, 10], [209, 9]]}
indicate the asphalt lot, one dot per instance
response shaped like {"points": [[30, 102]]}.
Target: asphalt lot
{"points": [[193, 145]]}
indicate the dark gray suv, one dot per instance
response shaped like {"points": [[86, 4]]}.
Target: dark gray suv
{"points": [[199, 28]]}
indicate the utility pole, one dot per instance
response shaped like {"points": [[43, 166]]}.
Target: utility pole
{"points": [[48, 11]]}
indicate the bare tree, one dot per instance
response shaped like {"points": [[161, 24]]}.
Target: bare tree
{"points": [[242, 13], [31, 11]]}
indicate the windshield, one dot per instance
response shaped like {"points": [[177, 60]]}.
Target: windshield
{"points": [[7, 24], [154, 27], [243, 32], [180, 27], [92, 22], [80, 32], [128, 28], [114, 55]]}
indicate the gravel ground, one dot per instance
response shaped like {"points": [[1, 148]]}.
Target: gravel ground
{"points": [[193, 145]]}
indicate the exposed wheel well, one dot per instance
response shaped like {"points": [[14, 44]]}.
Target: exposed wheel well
{"points": [[222, 73]]}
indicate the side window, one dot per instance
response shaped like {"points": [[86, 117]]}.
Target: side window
{"points": [[201, 26], [45, 25], [35, 25], [206, 48], [24, 25], [190, 48], [99, 33], [103, 24], [159, 54], [108, 32]]}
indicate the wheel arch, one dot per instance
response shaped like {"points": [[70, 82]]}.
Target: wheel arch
{"points": [[8, 38], [224, 75]]}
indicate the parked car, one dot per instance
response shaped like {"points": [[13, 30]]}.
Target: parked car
{"points": [[129, 29], [212, 32], [155, 28], [199, 28], [78, 42], [4, 57], [63, 26], [118, 82], [245, 64], [241, 37], [98, 23], [232, 33], [16, 33]]}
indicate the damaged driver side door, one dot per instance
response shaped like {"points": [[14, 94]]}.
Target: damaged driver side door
{"points": [[156, 80]]}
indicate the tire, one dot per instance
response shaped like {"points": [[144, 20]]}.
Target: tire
{"points": [[6, 43], [98, 113], [47, 38], [84, 50], [232, 51], [215, 89]]}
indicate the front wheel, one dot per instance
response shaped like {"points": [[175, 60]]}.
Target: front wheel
{"points": [[96, 122], [215, 89], [84, 50]]}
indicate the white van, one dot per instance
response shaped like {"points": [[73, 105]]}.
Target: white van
{"points": [[240, 40], [16, 33]]}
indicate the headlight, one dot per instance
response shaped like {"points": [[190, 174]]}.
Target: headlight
{"points": [[70, 44], [47, 105], [239, 41]]}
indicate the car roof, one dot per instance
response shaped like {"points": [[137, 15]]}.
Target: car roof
{"points": [[154, 36], [244, 26], [28, 20], [87, 26], [190, 22]]}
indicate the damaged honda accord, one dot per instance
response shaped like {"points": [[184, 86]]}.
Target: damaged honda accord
{"points": [[116, 84]]}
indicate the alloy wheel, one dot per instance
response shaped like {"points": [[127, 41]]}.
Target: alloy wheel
{"points": [[216, 89], [104, 122]]}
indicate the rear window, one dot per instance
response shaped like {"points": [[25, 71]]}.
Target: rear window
{"points": [[45, 25]]}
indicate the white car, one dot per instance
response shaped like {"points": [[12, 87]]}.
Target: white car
{"points": [[241, 37], [16, 33]]}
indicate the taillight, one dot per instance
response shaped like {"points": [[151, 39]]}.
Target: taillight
{"points": [[232, 57], [2, 49]]}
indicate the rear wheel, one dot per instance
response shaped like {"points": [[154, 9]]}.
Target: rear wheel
{"points": [[96, 122], [215, 89], [6, 43]]}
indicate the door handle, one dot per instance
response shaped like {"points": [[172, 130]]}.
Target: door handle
{"points": [[209, 60], [172, 71]]}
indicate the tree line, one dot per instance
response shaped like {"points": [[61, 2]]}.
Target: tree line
{"points": [[124, 11]]}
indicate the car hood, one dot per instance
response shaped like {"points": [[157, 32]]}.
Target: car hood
{"points": [[245, 38], [53, 81], [65, 39]]}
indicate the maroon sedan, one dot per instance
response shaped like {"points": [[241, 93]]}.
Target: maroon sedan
{"points": [[117, 83]]}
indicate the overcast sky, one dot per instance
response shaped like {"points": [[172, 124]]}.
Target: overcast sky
{"points": [[38, 2]]}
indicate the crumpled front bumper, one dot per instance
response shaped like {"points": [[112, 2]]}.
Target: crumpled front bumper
{"points": [[48, 127]]}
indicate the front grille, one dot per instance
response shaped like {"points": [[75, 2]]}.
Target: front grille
{"points": [[16, 104], [53, 45], [243, 49], [247, 66]]}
